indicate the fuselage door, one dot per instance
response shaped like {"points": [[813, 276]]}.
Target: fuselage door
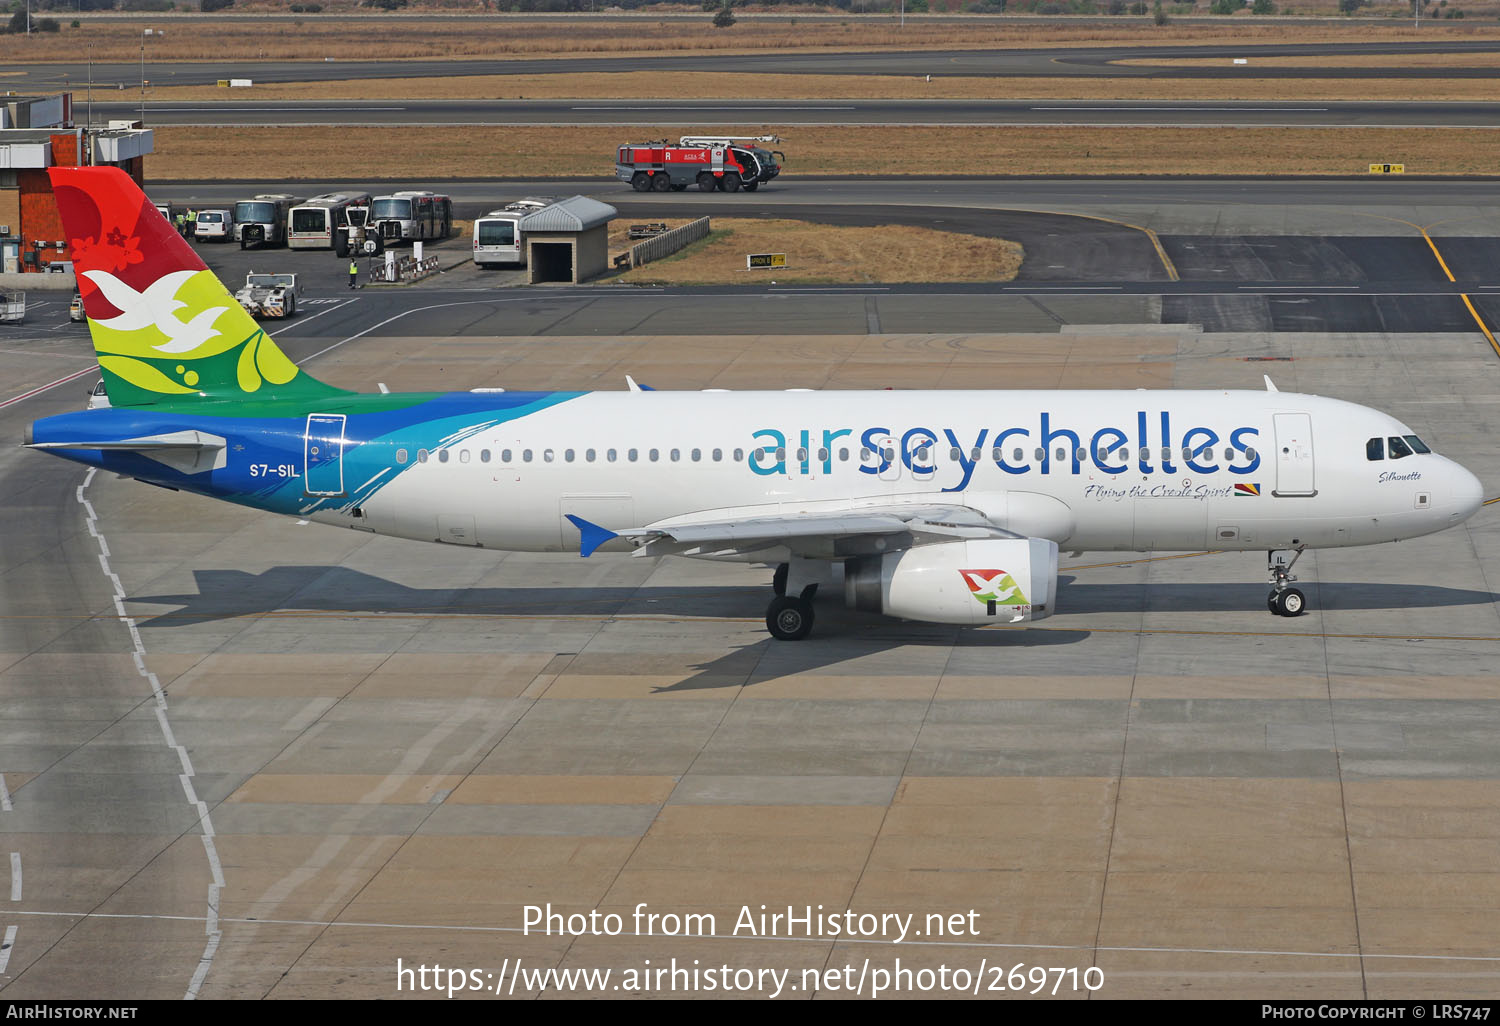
{"points": [[323, 454], [1294, 455]]}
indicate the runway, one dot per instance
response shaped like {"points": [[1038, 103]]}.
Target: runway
{"points": [[397, 748], [239, 108], [1018, 62]]}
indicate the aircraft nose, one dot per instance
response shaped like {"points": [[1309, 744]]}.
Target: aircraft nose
{"points": [[1468, 493]]}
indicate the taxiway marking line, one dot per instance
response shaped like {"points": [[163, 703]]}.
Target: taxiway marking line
{"points": [[185, 778], [5, 805], [42, 388], [15, 876], [1480, 321], [946, 942], [1489, 335], [1433, 246], [350, 614]]}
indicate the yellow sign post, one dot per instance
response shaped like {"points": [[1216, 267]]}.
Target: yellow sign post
{"points": [[755, 260], [1387, 169]]}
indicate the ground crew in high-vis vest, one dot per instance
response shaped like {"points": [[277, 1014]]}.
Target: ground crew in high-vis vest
{"points": [[353, 274]]}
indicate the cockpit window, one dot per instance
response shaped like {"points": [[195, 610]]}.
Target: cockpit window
{"points": [[1375, 449], [1399, 448], [1417, 445]]}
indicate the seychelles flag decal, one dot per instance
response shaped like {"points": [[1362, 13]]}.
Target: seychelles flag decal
{"points": [[1247, 489]]}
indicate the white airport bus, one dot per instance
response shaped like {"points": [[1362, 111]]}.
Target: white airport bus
{"points": [[408, 216], [316, 223], [262, 221], [497, 235]]}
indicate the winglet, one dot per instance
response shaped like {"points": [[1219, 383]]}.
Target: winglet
{"points": [[637, 388], [590, 536], [1270, 385]]}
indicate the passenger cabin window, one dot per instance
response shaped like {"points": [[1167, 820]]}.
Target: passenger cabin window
{"points": [[1375, 449]]}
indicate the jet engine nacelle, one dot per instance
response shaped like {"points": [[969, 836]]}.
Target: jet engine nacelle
{"points": [[967, 582]]}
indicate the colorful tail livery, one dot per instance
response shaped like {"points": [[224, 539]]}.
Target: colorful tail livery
{"points": [[164, 327], [948, 507]]}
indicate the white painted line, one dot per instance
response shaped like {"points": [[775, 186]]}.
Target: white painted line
{"points": [[256, 110], [320, 313], [678, 108], [138, 655], [944, 943], [42, 388], [5, 805], [5, 947], [15, 876], [1062, 288], [1231, 110]]}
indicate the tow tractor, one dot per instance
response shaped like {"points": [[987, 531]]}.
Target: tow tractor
{"points": [[268, 295]]}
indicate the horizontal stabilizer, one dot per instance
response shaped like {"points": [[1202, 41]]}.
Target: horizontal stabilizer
{"points": [[190, 452]]}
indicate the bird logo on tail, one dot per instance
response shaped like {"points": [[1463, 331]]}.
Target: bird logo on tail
{"points": [[157, 305]]}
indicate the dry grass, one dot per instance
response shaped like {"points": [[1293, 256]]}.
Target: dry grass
{"points": [[818, 253], [500, 37], [628, 85], [289, 153]]}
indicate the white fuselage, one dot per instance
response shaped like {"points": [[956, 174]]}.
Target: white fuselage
{"points": [[1125, 470]]}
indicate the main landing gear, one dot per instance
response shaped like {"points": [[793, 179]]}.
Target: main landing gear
{"points": [[1284, 600], [789, 617]]}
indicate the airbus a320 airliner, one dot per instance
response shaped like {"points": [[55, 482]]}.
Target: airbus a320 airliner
{"points": [[947, 507]]}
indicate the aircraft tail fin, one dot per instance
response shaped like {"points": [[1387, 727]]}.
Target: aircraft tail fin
{"points": [[165, 328]]}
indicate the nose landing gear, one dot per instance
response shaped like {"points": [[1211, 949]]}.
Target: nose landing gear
{"points": [[1284, 600]]}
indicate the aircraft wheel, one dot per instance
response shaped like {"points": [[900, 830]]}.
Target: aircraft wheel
{"points": [[1291, 603], [778, 579], [789, 619]]}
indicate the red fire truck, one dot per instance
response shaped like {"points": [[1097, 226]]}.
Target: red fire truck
{"points": [[707, 163]]}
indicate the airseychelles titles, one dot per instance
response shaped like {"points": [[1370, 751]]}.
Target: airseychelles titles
{"points": [[796, 921]]}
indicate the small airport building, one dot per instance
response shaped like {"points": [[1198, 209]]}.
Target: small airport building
{"points": [[38, 132], [567, 241]]}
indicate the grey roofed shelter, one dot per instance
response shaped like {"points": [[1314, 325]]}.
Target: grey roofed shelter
{"points": [[568, 241]]}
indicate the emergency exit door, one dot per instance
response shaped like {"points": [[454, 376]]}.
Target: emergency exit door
{"points": [[323, 454], [1294, 455]]}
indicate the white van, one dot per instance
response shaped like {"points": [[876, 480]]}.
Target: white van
{"points": [[213, 226]]}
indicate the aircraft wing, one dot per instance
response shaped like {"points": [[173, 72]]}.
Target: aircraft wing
{"points": [[190, 452], [818, 535]]}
